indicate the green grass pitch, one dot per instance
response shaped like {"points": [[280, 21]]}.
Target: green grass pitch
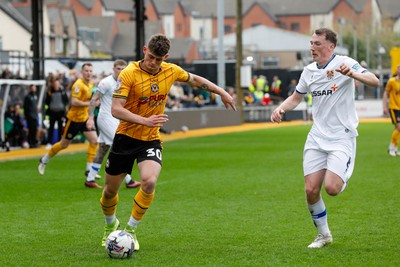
{"points": [[225, 200]]}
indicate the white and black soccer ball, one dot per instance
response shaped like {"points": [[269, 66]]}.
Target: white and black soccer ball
{"points": [[120, 244]]}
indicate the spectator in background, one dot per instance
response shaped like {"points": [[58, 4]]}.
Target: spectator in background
{"points": [[57, 103], [248, 98], [262, 84], [308, 100], [14, 128], [175, 96], [232, 93], [276, 86], [258, 95], [292, 87], [32, 115]]}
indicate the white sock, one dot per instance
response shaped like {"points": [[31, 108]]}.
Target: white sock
{"points": [[132, 222], [45, 159], [319, 216], [93, 171], [392, 147], [110, 218], [88, 165], [128, 178]]}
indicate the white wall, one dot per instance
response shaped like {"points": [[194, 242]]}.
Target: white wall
{"points": [[396, 26], [201, 23], [168, 25], [376, 18], [14, 36], [319, 20]]}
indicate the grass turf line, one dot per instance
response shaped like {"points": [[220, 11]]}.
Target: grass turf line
{"points": [[225, 200]]}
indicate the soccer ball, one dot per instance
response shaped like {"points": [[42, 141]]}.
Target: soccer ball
{"points": [[120, 244]]}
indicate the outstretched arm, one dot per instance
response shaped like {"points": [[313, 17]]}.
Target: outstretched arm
{"points": [[367, 78], [203, 83]]}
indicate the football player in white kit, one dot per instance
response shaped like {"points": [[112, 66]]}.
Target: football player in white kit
{"points": [[330, 149], [106, 123]]}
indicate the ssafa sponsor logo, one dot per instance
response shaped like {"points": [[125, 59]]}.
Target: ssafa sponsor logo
{"points": [[328, 92]]}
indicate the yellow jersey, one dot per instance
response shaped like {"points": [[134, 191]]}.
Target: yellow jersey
{"points": [[393, 88], [83, 92], [146, 95]]}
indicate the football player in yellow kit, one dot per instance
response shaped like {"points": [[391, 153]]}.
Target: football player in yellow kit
{"points": [[392, 91], [77, 116], [139, 102]]}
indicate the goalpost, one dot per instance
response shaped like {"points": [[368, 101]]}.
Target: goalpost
{"points": [[14, 91]]}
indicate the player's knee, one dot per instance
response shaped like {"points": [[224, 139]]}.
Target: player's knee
{"points": [[148, 185], [109, 193], [312, 192], [333, 189]]}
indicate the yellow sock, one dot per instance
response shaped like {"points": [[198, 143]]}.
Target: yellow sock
{"points": [[395, 137], [55, 149], [91, 152], [141, 203], [109, 206]]}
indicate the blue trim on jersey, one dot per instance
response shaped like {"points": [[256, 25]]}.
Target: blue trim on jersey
{"points": [[317, 216], [329, 61]]}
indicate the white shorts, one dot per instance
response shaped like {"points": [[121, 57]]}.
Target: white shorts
{"points": [[107, 127], [337, 156]]}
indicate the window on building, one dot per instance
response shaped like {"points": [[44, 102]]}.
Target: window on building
{"points": [[283, 25], [1, 43], [179, 27], [269, 62], [255, 25], [227, 28], [295, 26], [72, 46], [59, 44]]}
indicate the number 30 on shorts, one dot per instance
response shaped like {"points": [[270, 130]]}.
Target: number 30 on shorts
{"points": [[151, 152]]}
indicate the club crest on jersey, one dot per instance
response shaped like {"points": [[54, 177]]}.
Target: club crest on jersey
{"points": [[154, 88], [117, 86], [76, 89], [119, 82], [330, 74]]}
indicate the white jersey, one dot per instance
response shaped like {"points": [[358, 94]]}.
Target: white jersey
{"points": [[334, 110], [106, 123]]}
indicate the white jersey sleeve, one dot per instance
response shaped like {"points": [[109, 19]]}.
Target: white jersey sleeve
{"points": [[106, 88], [334, 110]]}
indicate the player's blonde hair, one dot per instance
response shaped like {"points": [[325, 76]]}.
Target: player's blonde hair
{"points": [[120, 62]]}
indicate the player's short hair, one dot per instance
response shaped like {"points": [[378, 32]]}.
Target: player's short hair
{"points": [[120, 62], [159, 44], [86, 64], [330, 35]]}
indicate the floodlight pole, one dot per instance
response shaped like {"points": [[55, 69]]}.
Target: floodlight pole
{"points": [[139, 5], [239, 57], [221, 52]]}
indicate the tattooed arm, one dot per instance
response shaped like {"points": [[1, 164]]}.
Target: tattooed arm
{"points": [[203, 83], [94, 102]]}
